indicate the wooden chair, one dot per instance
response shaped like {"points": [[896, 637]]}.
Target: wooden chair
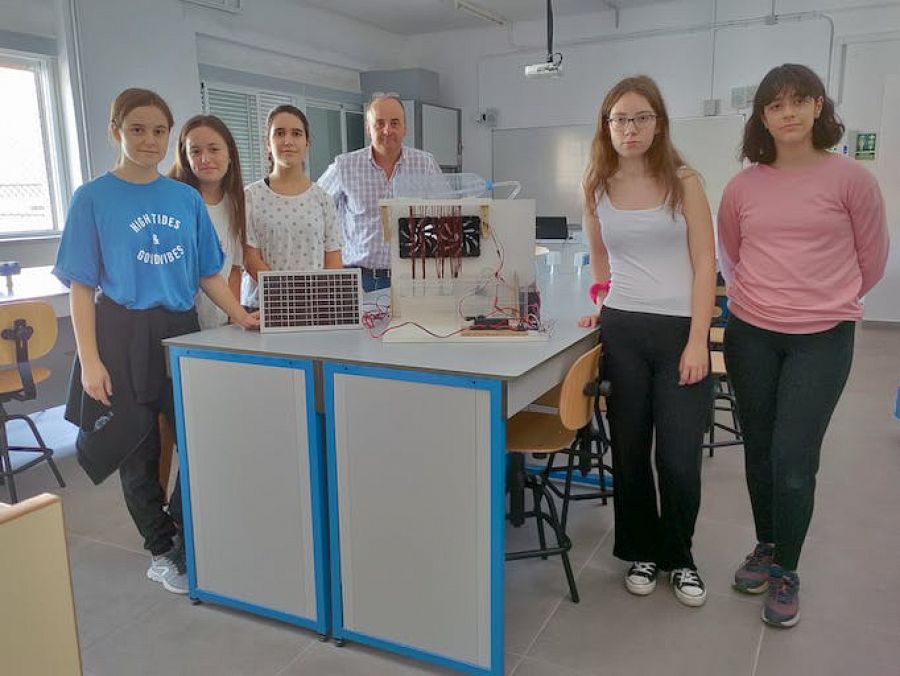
{"points": [[39, 633], [536, 432], [27, 331], [723, 399], [720, 311], [589, 449]]}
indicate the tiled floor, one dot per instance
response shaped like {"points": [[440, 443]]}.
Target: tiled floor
{"points": [[850, 567]]}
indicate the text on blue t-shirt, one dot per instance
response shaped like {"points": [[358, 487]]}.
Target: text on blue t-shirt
{"points": [[144, 245]]}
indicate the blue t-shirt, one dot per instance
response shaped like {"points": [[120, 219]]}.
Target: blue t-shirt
{"points": [[144, 245]]}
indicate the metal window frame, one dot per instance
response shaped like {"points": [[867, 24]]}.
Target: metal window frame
{"points": [[343, 108], [44, 68], [258, 94], [301, 101]]}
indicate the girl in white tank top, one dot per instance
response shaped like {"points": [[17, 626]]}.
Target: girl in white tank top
{"points": [[652, 256]]}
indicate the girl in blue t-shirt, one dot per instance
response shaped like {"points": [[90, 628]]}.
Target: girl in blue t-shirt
{"points": [[147, 244]]}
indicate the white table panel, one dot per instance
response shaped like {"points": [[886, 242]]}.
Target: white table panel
{"points": [[414, 488], [246, 432]]}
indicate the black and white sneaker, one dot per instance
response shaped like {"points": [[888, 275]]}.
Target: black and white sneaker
{"points": [[688, 587], [641, 578]]}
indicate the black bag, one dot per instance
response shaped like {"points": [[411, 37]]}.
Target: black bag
{"points": [[106, 435]]}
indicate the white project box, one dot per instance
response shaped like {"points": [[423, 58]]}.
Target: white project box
{"points": [[468, 286]]}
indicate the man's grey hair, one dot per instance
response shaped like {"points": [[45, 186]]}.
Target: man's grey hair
{"points": [[382, 96]]}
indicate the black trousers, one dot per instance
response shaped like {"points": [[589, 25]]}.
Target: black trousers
{"points": [[787, 386], [641, 354], [130, 345], [144, 497]]}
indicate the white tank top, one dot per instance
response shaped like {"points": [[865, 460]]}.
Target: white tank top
{"points": [[648, 258]]}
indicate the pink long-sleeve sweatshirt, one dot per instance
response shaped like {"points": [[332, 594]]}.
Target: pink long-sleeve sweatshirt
{"points": [[799, 247]]}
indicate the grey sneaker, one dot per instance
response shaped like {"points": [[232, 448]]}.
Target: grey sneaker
{"points": [[688, 587], [782, 607], [170, 570], [753, 575], [641, 578]]}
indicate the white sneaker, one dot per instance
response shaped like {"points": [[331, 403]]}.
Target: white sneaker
{"points": [[688, 587], [641, 578], [170, 570]]}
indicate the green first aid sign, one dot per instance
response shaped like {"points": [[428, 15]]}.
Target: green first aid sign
{"points": [[865, 146]]}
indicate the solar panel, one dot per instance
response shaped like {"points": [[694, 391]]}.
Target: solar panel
{"points": [[315, 299]]}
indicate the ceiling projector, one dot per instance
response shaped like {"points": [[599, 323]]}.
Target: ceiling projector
{"points": [[546, 69]]}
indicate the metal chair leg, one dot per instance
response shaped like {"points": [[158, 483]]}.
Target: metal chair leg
{"points": [[536, 495], [567, 491], [48, 452], [55, 470], [562, 540], [6, 465]]}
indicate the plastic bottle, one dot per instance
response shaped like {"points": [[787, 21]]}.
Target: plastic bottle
{"points": [[448, 186]]}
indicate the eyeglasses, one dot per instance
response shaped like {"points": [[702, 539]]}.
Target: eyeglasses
{"points": [[384, 95], [641, 121]]}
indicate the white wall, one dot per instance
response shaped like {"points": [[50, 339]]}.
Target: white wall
{"points": [[159, 44], [882, 302], [36, 17], [285, 39], [132, 43], [484, 67]]}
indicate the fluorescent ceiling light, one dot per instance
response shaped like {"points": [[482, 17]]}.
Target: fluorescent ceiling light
{"points": [[480, 12]]}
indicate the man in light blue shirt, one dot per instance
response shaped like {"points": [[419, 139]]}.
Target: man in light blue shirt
{"points": [[359, 179]]}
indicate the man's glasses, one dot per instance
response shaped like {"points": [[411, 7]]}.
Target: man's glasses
{"points": [[641, 121], [384, 95]]}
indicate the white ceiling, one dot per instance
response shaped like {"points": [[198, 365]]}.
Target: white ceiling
{"points": [[410, 17]]}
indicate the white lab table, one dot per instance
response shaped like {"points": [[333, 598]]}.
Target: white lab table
{"points": [[37, 283], [406, 440]]}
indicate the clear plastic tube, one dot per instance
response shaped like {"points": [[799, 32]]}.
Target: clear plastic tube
{"points": [[449, 186]]}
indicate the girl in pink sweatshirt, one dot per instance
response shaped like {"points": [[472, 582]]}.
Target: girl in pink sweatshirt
{"points": [[802, 237]]}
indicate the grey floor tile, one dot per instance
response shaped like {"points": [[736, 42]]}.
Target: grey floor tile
{"points": [[613, 632], [99, 512], [724, 494], [829, 648], [110, 587], [871, 458], [719, 548], [589, 521], [354, 659], [512, 663], [852, 584], [534, 589], [357, 660], [175, 637], [842, 515], [533, 667]]}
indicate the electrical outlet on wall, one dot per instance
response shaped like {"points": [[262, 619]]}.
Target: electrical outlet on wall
{"points": [[485, 116], [711, 107], [742, 97]]}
